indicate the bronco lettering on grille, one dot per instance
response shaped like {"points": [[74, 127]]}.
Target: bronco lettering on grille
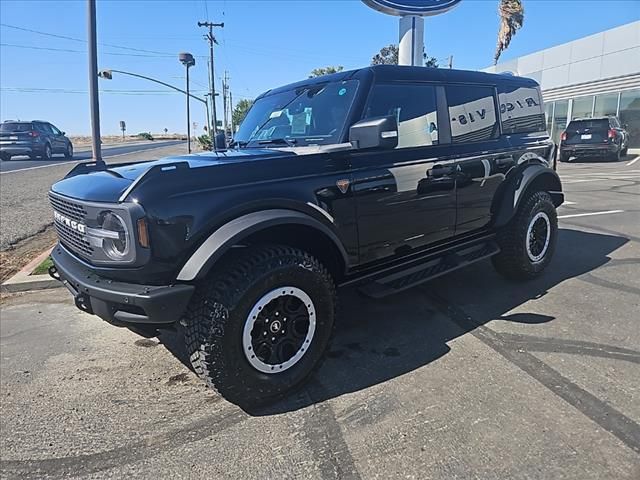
{"points": [[77, 226]]}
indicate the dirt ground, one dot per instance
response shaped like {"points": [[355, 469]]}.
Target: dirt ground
{"points": [[20, 254]]}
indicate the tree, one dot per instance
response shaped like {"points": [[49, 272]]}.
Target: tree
{"points": [[318, 72], [430, 62], [390, 55], [511, 19], [240, 110], [387, 56]]}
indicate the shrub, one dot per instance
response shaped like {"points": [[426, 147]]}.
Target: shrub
{"points": [[205, 141], [146, 135]]}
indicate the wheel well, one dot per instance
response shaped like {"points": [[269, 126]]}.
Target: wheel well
{"points": [[305, 238], [546, 182]]}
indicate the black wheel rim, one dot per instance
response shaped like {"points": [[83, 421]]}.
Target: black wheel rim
{"points": [[279, 329], [538, 236]]}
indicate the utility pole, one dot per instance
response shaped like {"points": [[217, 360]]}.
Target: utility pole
{"points": [[93, 82], [450, 61], [225, 100], [212, 80]]}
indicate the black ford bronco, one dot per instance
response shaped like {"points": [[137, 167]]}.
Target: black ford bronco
{"points": [[382, 177]]}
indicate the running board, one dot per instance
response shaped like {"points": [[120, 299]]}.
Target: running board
{"points": [[450, 261]]}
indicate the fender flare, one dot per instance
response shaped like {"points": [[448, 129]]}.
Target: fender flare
{"points": [[229, 234], [512, 191]]}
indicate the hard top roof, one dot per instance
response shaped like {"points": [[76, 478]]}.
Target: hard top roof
{"points": [[388, 73]]}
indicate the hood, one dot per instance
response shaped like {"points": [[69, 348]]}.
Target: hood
{"points": [[108, 185]]}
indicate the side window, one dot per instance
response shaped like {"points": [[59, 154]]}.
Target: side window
{"points": [[44, 128], [54, 130], [614, 122], [414, 106], [521, 109], [472, 113]]}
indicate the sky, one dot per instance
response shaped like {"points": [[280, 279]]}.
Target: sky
{"points": [[264, 44]]}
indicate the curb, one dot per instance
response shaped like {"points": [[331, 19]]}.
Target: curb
{"points": [[23, 282]]}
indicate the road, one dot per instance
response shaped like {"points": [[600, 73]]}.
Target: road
{"points": [[84, 153], [468, 376], [24, 209]]}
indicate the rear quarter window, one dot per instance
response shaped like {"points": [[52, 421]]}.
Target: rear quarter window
{"points": [[521, 109]]}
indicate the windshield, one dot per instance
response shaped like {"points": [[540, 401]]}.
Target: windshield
{"points": [[15, 127], [598, 123], [309, 115]]}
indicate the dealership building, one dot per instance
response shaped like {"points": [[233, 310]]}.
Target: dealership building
{"points": [[593, 76]]}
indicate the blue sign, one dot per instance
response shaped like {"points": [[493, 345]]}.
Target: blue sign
{"points": [[422, 8]]}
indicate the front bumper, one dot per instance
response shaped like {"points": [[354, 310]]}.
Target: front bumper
{"points": [[116, 302], [582, 150]]}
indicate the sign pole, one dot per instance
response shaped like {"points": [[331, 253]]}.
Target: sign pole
{"points": [[411, 13], [411, 43]]}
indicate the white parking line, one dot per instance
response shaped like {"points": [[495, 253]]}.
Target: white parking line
{"points": [[633, 161], [608, 212]]}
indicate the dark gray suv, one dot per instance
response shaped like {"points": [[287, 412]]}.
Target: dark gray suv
{"points": [[35, 139]]}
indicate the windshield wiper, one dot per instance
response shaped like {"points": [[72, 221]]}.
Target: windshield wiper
{"points": [[272, 141], [238, 143]]}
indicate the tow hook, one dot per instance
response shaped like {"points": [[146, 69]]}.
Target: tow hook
{"points": [[53, 273]]}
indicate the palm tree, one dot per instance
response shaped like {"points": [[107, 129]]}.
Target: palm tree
{"points": [[511, 19]]}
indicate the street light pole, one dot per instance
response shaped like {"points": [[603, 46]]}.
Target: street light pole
{"points": [[188, 61], [93, 82], [188, 115]]}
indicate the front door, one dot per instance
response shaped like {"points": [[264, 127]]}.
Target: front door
{"points": [[58, 140], [405, 197]]}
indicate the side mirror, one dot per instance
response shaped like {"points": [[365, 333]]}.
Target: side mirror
{"points": [[378, 132], [625, 126], [63, 133], [220, 141]]}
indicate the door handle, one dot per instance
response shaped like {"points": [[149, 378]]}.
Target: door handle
{"points": [[505, 161], [440, 171]]}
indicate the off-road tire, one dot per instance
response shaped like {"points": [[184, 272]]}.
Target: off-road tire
{"points": [[625, 151], [68, 154], [564, 157], [514, 261], [221, 305]]}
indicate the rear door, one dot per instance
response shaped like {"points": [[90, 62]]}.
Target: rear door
{"points": [[587, 132], [405, 197], [482, 156]]}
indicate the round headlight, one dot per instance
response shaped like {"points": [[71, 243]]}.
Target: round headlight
{"points": [[116, 248]]}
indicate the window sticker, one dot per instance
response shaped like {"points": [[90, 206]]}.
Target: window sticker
{"points": [[299, 123]]}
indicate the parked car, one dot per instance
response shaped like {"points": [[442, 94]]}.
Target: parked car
{"points": [[380, 178], [594, 137], [35, 139]]}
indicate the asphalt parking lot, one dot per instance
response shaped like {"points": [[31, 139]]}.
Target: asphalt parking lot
{"points": [[468, 376]]}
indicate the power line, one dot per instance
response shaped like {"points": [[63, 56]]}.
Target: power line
{"points": [[76, 91], [68, 50], [64, 37]]}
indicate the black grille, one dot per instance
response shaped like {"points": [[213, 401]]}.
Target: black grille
{"points": [[70, 237], [73, 240], [69, 209]]}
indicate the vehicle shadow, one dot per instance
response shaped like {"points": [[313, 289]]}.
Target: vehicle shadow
{"points": [[378, 340]]}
